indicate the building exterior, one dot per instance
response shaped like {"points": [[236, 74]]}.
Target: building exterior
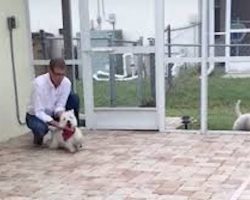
{"points": [[22, 55], [226, 24], [231, 27]]}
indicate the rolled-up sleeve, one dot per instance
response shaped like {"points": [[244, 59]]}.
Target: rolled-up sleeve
{"points": [[39, 109]]}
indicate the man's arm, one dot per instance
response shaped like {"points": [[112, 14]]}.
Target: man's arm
{"points": [[38, 104], [55, 124]]}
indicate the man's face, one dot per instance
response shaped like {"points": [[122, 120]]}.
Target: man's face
{"points": [[57, 74]]}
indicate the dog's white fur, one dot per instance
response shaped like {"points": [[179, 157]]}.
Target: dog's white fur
{"points": [[54, 139], [243, 120]]}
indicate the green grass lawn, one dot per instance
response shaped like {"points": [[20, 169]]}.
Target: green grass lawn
{"points": [[184, 97], [126, 93]]}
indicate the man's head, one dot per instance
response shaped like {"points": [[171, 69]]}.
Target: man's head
{"points": [[57, 69]]}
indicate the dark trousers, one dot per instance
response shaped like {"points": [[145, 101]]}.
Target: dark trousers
{"points": [[40, 128]]}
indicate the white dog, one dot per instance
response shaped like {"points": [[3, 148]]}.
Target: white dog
{"points": [[243, 120], [70, 140]]}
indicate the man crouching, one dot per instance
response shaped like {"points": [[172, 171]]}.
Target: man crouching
{"points": [[50, 97]]}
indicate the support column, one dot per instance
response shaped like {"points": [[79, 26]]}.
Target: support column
{"points": [[86, 63], [67, 37], [228, 34], [159, 63], [204, 56]]}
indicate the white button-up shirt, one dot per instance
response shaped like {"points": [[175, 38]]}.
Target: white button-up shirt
{"points": [[46, 100]]}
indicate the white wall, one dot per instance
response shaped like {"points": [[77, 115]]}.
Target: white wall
{"points": [[24, 70]]}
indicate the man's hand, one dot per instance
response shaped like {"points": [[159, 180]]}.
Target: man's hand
{"points": [[58, 114], [55, 124]]}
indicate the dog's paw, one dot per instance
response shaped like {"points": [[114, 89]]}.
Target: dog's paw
{"points": [[71, 149], [79, 147]]}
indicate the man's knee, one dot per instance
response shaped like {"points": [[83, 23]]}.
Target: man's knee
{"points": [[40, 129], [36, 125], [73, 102]]}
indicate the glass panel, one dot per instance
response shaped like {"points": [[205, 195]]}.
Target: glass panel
{"points": [[240, 39], [184, 42], [121, 23], [240, 14], [224, 89], [127, 80], [220, 49], [182, 87], [220, 15], [182, 28], [183, 96]]}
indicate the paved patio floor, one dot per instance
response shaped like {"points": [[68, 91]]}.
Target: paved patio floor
{"points": [[129, 165]]}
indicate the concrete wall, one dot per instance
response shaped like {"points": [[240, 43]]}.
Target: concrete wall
{"points": [[24, 71]]}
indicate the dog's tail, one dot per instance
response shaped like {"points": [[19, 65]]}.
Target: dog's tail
{"points": [[237, 108]]}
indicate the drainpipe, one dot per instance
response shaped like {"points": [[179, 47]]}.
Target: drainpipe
{"points": [[11, 22]]}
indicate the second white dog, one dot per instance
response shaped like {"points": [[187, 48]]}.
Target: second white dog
{"points": [[72, 141], [242, 122]]}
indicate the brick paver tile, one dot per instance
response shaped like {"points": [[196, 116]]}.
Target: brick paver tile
{"points": [[127, 165]]}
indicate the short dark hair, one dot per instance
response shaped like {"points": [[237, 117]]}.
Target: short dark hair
{"points": [[57, 63]]}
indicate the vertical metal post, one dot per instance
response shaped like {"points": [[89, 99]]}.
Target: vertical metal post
{"points": [[159, 63], [140, 91], [204, 55], [67, 32], [169, 40], [228, 34], [211, 31], [170, 65], [86, 63], [112, 64], [199, 26], [152, 70], [67, 35], [43, 44]]}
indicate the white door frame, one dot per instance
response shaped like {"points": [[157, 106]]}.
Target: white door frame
{"points": [[123, 118], [139, 118], [160, 62], [154, 118], [204, 63]]}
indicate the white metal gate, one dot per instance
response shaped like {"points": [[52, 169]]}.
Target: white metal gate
{"points": [[119, 117], [152, 118]]}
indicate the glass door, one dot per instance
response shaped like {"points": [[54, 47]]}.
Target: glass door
{"points": [[239, 36], [118, 58]]}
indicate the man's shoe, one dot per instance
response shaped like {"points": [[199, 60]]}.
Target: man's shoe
{"points": [[38, 140]]}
